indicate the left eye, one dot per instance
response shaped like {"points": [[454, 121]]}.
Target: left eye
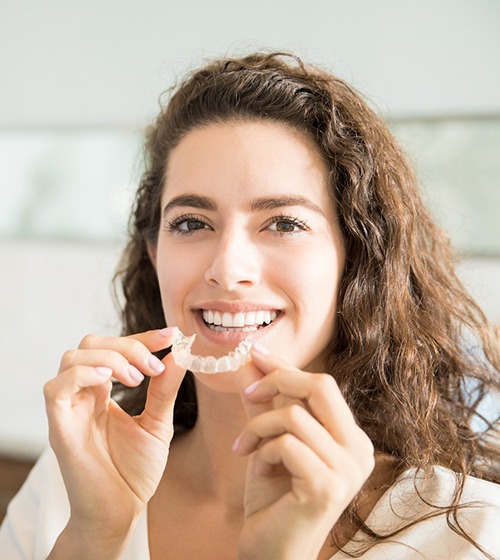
{"points": [[284, 226]]}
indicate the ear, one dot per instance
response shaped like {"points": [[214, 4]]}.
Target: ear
{"points": [[151, 249]]}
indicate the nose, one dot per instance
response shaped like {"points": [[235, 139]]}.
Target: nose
{"points": [[234, 263]]}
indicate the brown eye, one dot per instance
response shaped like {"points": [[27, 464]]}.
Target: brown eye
{"points": [[186, 225], [193, 225], [285, 227]]}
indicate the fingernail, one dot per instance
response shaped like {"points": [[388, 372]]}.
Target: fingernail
{"points": [[236, 443], [135, 374], [155, 364], [167, 331], [251, 388], [261, 349], [105, 371]]}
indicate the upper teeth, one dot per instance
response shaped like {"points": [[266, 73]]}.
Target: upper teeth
{"points": [[239, 319]]}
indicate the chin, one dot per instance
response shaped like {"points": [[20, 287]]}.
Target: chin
{"points": [[218, 382]]}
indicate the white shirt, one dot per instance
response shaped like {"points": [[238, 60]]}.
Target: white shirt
{"points": [[40, 511]]}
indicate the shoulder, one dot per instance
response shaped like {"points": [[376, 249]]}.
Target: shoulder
{"points": [[480, 513], [439, 485], [44, 487], [483, 490], [412, 515], [38, 512]]}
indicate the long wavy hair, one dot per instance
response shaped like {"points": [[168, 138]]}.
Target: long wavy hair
{"points": [[413, 354]]}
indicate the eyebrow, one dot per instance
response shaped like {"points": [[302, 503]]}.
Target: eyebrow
{"points": [[262, 203], [192, 201], [271, 202]]}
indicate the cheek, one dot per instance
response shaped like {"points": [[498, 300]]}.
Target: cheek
{"points": [[315, 273], [176, 273], [315, 281]]}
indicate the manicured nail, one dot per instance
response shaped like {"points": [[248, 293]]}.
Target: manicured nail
{"points": [[135, 374], [155, 364], [261, 349], [251, 388], [167, 331], [236, 444], [105, 371]]}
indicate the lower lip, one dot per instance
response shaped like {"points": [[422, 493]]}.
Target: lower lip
{"points": [[230, 338]]}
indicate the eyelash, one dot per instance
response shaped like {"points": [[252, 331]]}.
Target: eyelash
{"points": [[300, 224], [175, 225]]}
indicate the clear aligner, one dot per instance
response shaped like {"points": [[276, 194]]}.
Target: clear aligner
{"points": [[181, 350]]}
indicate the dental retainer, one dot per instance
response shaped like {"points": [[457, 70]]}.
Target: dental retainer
{"points": [[181, 350]]}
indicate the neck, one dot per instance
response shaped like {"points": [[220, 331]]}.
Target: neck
{"points": [[204, 454]]}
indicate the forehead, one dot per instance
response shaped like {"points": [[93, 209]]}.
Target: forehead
{"points": [[253, 158]]}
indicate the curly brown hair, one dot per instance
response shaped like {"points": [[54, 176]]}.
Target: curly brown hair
{"points": [[413, 354]]}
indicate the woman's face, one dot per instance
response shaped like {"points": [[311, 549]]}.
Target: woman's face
{"points": [[249, 245]]}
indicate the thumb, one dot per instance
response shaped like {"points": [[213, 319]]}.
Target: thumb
{"points": [[157, 417], [262, 363]]}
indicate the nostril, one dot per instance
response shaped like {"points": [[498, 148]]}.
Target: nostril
{"points": [[234, 266]]}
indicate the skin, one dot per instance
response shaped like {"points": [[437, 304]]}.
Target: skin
{"points": [[238, 255], [275, 456]]}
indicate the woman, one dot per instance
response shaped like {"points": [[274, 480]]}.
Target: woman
{"points": [[276, 208]]}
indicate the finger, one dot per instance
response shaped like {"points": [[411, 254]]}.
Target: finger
{"points": [[137, 349], [265, 360], [313, 483], [157, 339], [319, 391], [247, 376], [298, 459], [157, 417], [69, 383], [294, 420], [72, 386], [265, 363], [122, 369]]}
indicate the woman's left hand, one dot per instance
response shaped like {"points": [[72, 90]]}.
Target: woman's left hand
{"points": [[308, 459]]}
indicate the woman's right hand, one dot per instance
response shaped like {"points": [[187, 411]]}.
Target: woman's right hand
{"points": [[111, 463]]}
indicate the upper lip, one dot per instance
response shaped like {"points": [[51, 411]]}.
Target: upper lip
{"points": [[235, 306]]}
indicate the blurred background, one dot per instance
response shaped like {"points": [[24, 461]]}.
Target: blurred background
{"points": [[79, 81]]}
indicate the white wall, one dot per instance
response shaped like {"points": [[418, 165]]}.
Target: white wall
{"points": [[51, 295], [94, 63]]}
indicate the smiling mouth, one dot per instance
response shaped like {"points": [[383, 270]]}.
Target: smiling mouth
{"points": [[238, 322]]}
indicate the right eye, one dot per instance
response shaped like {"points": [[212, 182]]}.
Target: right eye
{"points": [[191, 225], [185, 225]]}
